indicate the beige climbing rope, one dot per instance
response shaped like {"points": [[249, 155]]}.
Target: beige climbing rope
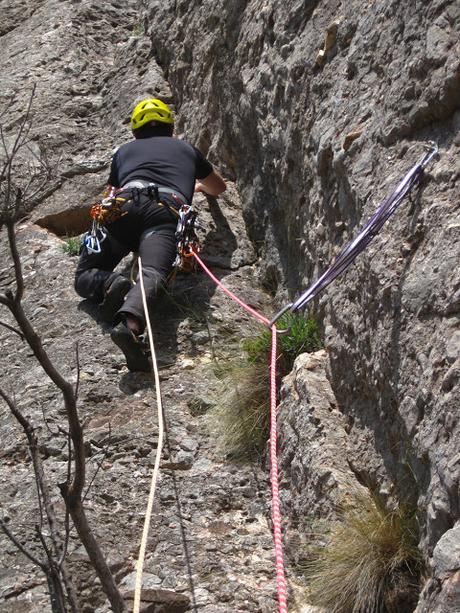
{"points": [[148, 512]]}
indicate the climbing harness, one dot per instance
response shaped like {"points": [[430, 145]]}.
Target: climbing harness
{"points": [[109, 209], [160, 194], [347, 256]]}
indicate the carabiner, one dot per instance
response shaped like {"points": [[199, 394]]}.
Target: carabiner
{"points": [[426, 159], [94, 238]]}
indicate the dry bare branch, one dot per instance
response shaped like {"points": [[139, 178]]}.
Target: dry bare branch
{"points": [[5, 325], [16, 193], [105, 452], [53, 552], [77, 359], [72, 490], [20, 546]]}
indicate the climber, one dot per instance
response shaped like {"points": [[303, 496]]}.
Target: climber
{"points": [[155, 174]]}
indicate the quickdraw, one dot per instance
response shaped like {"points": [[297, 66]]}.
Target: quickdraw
{"points": [[93, 239], [186, 238]]}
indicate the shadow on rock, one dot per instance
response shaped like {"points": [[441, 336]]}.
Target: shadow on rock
{"points": [[220, 243], [94, 311]]}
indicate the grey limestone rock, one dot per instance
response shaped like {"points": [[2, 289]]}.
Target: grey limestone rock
{"points": [[310, 148], [314, 149]]}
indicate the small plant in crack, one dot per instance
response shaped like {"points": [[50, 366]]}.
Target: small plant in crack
{"points": [[72, 245], [302, 336], [139, 29], [240, 419]]}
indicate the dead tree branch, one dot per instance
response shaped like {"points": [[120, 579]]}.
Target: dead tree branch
{"points": [[105, 452], [12, 329], [46, 505], [21, 547], [71, 490], [15, 196]]}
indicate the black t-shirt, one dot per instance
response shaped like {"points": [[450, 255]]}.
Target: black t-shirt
{"points": [[163, 160]]}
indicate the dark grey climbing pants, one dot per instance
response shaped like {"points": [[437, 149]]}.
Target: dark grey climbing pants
{"points": [[147, 228]]}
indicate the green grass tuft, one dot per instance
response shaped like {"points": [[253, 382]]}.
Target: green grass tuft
{"points": [[302, 336], [72, 245], [371, 563], [139, 29]]}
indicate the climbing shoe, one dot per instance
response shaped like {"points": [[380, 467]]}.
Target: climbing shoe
{"points": [[134, 350], [114, 296]]}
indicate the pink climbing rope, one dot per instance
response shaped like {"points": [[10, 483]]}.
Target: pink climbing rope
{"points": [[276, 514], [228, 292]]}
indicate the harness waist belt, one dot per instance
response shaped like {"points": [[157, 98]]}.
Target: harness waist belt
{"points": [[140, 184]]}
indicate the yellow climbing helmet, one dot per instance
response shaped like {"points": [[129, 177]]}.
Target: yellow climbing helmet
{"points": [[150, 109]]}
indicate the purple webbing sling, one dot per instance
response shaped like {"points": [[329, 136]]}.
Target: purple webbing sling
{"points": [[358, 244]]}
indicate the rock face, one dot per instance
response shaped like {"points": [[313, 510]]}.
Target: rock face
{"points": [[316, 141], [313, 441], [210, 545], [315, 110]]}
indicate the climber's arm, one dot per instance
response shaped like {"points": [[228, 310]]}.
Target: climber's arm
{"points": [[213, 184]]}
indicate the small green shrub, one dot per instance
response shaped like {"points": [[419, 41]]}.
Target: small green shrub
{"points": [[371, 563], [72, 245], [139, 29], [302, 335]]}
